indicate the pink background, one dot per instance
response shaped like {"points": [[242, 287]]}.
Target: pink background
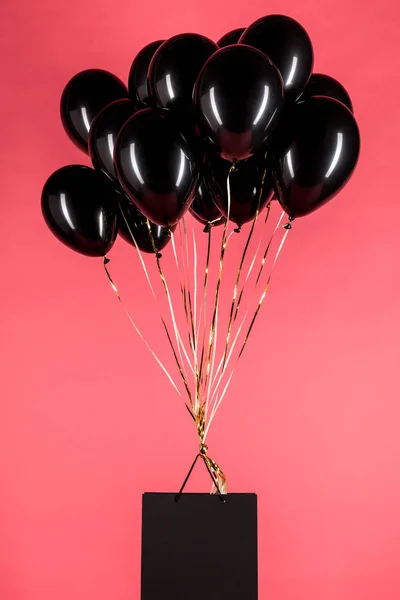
{"points": [[88, 422]]}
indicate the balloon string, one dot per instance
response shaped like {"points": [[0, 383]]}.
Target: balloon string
{"points": [[215, 388], [239, 273], [225, 360], [180, 368], [190, 318], [268, 211], [217, 402], [179, 342], [217, 405], [204, 310], [185, 308], [213, 328], [216, 473], [195, 285], [114, 287], [183, 288], [192, 325], [268, 247], [197, 377], [214, 353], [138, 251], [287, 228]]}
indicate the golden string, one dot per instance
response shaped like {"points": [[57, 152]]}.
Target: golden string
{"points": [[182, 286], [239, 273], [197, 412], [268, 247], [190, 318], [287, 228], [186, 269], [268, 211], [217, 402], [181, 370], [114, 287], [204, 306], [179, 341], [221, 262], [216, 472], [232, 347]]}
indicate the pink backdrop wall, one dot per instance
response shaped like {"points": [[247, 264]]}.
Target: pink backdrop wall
{"points": [[315, 399]]}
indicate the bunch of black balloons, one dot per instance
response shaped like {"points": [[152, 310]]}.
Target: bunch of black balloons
{"points": [[193, 112]]}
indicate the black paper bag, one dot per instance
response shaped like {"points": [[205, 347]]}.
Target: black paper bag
{"points": [[199, 548]]}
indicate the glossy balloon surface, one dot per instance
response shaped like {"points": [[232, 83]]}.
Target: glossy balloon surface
{"points": [[232, 37], [250, 186], [132, 222], [84, 96], [324, 85], [289, 47], [203, 207], [175, 68], [79, 206], [318, 157], [137, 84], [104, 132], [156, 166], [238, 97]]}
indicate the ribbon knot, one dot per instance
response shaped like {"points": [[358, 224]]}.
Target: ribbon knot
{"points": [[215, 471], [203, 449]]}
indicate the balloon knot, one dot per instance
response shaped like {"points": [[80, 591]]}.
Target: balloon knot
{"points": [[287, 226], [238, 229], [159, 255], [207, 228], [106, 260], [203, 449]]}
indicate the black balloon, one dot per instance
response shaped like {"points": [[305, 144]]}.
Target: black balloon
{"points": [[324, 85], [132, 222], [320, 154], [175, 68], [137, 84], [79, 206], [84, 96], [156, 166], [232, 37], [238, 97], [287, 44], [250, 186], [103, 133], [203, 207]]}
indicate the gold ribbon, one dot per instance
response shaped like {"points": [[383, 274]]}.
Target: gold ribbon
{"points": [[287, 228], [217, 291], [239, 273], [217, 475], [114, 287]]}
